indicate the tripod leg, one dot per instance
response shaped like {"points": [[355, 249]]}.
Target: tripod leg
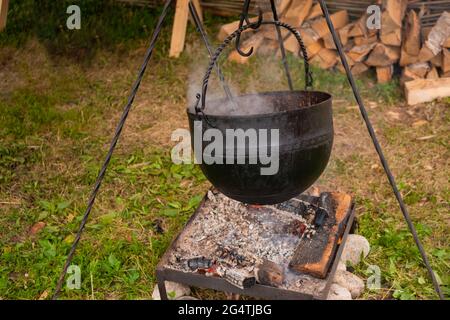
{"points": [[282, 49], [112, 147], [377, 145], [204, 36]]}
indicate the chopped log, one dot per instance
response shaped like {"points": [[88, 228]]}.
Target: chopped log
{"points": [[393, 15], [315, 12], [446, 60], [344, 33], [270, 32], [437, 60], [310, 39], [316, 260], [355, 31], [231, 27], [426, 90], [339, 19], [411, 43], [426, 54], [329, 42], [309, 36], [325, 59], [291, 45], [359, 68], [407, 76], [359, 41], [436, 39], [282, 7], [383, 56], [179, 28], [270, 274], [406, 58], [349, 46], [391, 22], [359, 53], [312, 47], [328, 57], [255, 42], [446, 43], [384, 74], [445, 75], [393, 38], [433, 74], [359, 28], [297, 12], [350, 63], [419, 69], [425, 32]]}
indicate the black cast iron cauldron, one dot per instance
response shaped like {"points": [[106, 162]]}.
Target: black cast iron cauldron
{"points": [[305, 125]]}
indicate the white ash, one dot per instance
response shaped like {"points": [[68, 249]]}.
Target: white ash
{"points": [[237, 235]]}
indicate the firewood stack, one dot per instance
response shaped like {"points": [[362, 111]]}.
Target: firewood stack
{"points": [[420, 52]]}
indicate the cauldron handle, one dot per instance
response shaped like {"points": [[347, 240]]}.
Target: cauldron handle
{"points": [[226, 42]]}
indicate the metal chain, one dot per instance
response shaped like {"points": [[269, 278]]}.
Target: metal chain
{"points": [[226, 42]]}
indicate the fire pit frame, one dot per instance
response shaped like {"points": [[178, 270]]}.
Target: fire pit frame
{"points": [[164, 273]]}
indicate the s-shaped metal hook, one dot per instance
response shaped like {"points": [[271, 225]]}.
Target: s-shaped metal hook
{"points": [[245, 18]]}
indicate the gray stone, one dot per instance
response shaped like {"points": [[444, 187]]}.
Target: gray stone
{"points": [[341, 266], [174, 291], [355, 246], [187, 298], [350, 281], [339, 293]]}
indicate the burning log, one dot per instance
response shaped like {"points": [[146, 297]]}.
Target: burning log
{"points": [[316, 259], [199, 263], [324, 210]]}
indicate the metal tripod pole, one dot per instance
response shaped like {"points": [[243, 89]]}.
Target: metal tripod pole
{"points": [[378, 149], [282, 48], [204, 36], [112, 147]]}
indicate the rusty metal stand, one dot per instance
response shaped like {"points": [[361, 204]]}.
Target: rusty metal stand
{"points": [[164, 273]]}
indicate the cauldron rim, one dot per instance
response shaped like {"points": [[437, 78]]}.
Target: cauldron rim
{"points": [[328, 98]]}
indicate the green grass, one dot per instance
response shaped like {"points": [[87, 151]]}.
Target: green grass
{"points": [[56, 121], [122, 243]]}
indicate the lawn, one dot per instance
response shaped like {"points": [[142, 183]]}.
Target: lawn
{"points": [[61, 95]]}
